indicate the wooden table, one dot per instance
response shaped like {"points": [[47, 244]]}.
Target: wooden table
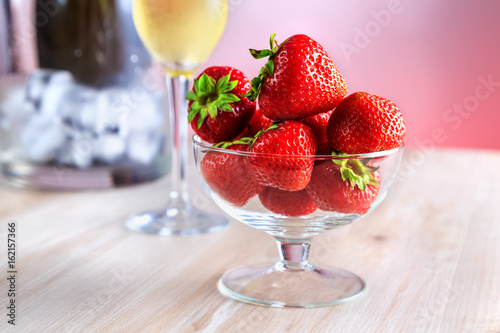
{"points": [[430, 255]]}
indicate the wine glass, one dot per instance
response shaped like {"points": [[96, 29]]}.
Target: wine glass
{"points": [[293, 281], [180, 35]]}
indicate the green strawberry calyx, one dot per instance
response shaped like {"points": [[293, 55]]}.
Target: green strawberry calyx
{"points": [[268, 68], [209, 96], [274, 125], [357, 171], [243, 141], [247, 140]]}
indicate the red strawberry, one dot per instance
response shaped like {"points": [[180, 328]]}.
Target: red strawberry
{"points": [[344, 186], [287, 203], [258, 123], [365, 123], [226, 175], [299, 80], [283, 156], [217, 110], [318, 124]]}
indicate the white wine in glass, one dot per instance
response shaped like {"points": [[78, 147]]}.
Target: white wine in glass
{"points": [[180, 35]]}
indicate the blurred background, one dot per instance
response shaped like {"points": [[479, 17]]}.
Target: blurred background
{"points": [[438, 60]]}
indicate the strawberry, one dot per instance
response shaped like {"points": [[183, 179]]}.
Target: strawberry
{"points": [[345, 186], [226, 175], [258, 123], [318, 124], [217, 110], [365, 123], [287, 203], [282, 156], [299, 80]]}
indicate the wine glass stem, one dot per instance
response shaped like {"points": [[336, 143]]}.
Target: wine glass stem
{"points": [[177, 87], [293, 255]]}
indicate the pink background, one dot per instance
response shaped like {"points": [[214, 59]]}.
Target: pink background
{"points": [[431, 57]]}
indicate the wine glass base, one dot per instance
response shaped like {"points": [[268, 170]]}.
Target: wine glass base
{"points": [[176, 221], [268, 286]]}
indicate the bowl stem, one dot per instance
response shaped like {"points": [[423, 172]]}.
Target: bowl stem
{"points": [[293, 255]]}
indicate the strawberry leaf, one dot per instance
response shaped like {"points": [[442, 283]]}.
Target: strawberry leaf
{"points": [[230, 86], [191, 116], [242, 141], [228, 98], [270, 67], [267, 70], [225, 107], [196, 86], [206, 84], [356, 172], [272, 41], [191, 96], [201, 117], [255, 86], [259, 54], [273, 126], [249, 141], [223, 81], [212, 110]]}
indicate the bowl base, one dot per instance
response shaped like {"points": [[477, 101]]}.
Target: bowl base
{"points": [[268, 285]]}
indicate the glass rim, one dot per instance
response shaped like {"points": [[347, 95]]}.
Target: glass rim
{"points": [[383, 153]]}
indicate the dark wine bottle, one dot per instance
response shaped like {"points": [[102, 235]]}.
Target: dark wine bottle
{"points": [[82, 37]]}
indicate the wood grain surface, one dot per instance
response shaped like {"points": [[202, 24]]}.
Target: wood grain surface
{"points": [[430, 254]]}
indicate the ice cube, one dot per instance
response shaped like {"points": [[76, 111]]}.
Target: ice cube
{"points": [[111, 112], [41, 138], [110, 148], [146, 111], [78, 151], [37, 81], [45, 89], [143, 147], [78, 108]]}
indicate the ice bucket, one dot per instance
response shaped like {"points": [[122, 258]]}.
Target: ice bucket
{"points": [[91, 114]]}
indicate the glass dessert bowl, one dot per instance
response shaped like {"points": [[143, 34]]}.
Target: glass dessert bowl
{"points": [[325, 201]]}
